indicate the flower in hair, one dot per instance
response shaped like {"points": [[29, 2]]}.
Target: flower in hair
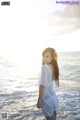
{"points": [[55, 56]]}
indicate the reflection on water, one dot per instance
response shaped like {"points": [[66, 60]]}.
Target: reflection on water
{"points": [[18, 95], [19, 99]]}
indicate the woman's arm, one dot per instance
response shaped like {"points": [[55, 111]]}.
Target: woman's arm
{"points": [[41, 90], [42, 84]]}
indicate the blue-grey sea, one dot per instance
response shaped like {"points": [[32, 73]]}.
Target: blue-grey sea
{"points": [[18, 94]]}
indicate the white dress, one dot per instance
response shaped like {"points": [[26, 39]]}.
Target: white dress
{"points": [[49, 99]]}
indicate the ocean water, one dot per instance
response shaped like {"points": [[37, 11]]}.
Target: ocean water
{"points": [[18, 95], [69, 64]]}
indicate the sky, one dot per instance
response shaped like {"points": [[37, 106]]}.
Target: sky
{"points": [[29, 26]]}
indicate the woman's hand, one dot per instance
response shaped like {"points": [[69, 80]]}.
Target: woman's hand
{"points": [[39, 104]]}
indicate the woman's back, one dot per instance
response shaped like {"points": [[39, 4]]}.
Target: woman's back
{"points": [[45, 76], [47, 99]]}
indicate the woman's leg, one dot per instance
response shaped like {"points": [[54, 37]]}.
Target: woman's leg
{"points": [[55, 114], [52, 117], [48, 118]]}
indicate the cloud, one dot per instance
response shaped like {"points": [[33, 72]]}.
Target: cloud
{"points": [[64, 21]]}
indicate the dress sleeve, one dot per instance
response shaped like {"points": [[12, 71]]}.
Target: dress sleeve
{"points": [[43, 76]]}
